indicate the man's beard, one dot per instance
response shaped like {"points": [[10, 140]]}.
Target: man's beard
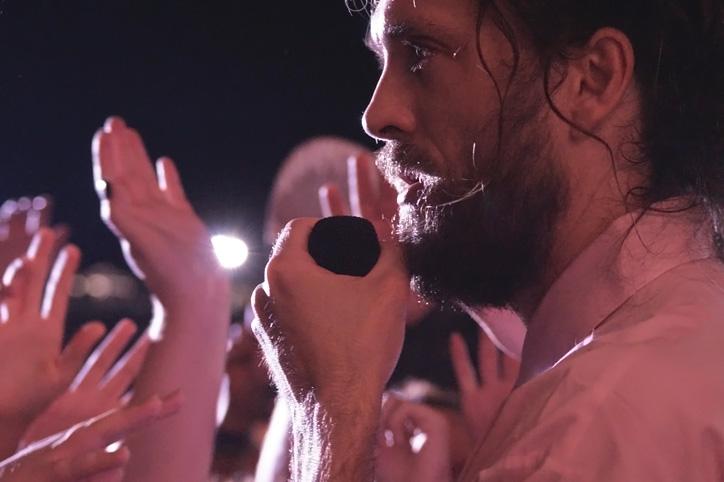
{"points": [[483, 239]]}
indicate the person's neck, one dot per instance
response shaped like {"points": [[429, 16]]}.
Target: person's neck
{"points": [[577, 229]]}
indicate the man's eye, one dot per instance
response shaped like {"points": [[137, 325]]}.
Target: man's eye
{"points": [[420, 56]]}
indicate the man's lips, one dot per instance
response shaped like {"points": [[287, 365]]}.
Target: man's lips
{"points": [[408, 177]]}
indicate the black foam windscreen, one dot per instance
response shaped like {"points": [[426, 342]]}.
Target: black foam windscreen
{"points": [[345, 245]]}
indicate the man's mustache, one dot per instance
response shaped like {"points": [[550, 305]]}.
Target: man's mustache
{"points": [[396, 160]]}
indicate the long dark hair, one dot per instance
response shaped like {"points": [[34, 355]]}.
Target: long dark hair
{"points": [[679, 50]]}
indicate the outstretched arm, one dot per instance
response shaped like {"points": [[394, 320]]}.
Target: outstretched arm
{"points": [[168, 246]]}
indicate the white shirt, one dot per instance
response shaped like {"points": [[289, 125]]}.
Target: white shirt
{"points": [[623, 365]]}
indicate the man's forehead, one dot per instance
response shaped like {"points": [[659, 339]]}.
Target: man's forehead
{"points": [[390, 15]]}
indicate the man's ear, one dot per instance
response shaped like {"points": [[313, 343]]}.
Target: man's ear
{"points": [[598, 76]]}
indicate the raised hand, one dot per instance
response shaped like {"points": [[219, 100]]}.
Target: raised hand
{"points": [[168, 246], [370, 196], [33, 369], [164, 241], [100, 385], [481, 399], [414, 444], [79, 453]]}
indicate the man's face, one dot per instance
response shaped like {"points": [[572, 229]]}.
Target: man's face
{"points": [[478, 191]]}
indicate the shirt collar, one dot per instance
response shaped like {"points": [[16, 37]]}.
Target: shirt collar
{"points": [[633, 251]]}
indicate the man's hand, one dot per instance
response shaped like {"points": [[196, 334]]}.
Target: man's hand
{"points": [[331, 343], [100, 385], [324, 334], [33, 369], [481, 399], [164, 241], [414, 444], [79, 453]]}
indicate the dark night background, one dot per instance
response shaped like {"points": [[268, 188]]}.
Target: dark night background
{"points": [[224, 87]]}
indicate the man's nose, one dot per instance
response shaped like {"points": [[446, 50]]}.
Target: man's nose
{"points": [[389, 115]]}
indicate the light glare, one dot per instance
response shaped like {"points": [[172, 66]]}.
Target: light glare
{"points": [[231, 251]]}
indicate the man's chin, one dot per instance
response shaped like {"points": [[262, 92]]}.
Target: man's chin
{"points": [[472, 253]]}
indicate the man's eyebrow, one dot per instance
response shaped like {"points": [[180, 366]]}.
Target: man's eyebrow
{"points": [[404, 30]]}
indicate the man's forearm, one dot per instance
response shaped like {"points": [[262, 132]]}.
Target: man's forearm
{"points": [[333, 442]]}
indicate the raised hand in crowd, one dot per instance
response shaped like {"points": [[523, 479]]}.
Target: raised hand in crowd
{"points": [[372, 198], [34, 368], [80, 454], [100, 386], [20, 220], [168, 246], [413, 443], [482, 396]]}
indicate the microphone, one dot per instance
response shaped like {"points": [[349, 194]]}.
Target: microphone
{"points": [[344, 245]]}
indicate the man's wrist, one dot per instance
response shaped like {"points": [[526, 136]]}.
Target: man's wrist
{"points": [[334, 437]]}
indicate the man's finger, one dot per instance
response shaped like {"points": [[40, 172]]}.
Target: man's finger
{"points": [[119, 159], [511, 367], [60, 285], [462, 365], [39, 255], [78, 348], [43, 207], [103, 357], [118, 424], [103, 168], [18, 220], [294, 237], [363, 196], [138, 162], [123, 373], [331, 201], [487, 359], [14, 283], [87, 465], [169, 181]]}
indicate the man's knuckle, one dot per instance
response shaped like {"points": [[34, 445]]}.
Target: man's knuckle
{"points": [[277, 274]]}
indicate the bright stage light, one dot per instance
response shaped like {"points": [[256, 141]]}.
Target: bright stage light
{"points": [[231, 251]]}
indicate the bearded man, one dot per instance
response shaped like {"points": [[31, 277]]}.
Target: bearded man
{"points": [[563, 158]]}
